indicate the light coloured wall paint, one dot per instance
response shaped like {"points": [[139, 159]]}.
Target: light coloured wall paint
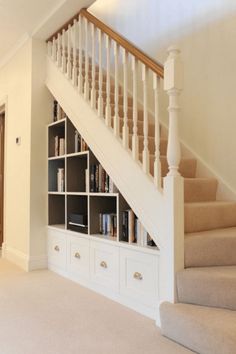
{"points": [[28, 112], [15, 82], [205, 32]]}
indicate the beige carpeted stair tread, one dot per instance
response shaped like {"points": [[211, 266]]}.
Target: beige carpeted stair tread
{"points": [[202, 329], [209, 215], [187, 167], [200, 189], [211, 248], [209, 286]]}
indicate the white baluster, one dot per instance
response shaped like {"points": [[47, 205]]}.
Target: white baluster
{"points": [[157, 163], [146, 160], [93, 89], [100, 98], [108, 84], [64, 65], [135, 141], [116, 116], [69, 64], [74, 68], [125, 130], [49, 48], [173, 83], [86, 80], [54, 49], [59, 53], [80, 80]]}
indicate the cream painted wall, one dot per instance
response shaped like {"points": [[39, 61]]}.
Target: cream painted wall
{"points": [[15, 82], [28, 111], [205, 31]]}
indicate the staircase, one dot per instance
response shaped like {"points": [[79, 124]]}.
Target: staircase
{"points": [[100, 94]]}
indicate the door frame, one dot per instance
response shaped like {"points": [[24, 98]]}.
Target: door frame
{"points": [[4, 109]]}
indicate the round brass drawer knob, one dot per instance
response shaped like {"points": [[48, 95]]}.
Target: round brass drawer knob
{"points": [[138, 276], [77, 255], [103, 264], [57, 249]]}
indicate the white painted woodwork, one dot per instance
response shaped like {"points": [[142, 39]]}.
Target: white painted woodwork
{"points": [[64, 63], [108, 82], [125, 130], [146, 157], [93, 90], [54, 49], [86, 79], [74, 68], [69, 56], [100, 97], [80, 79], [59, 50], [116, 116], [49, 48], [173, 84], [135, 141], [157, 163]]}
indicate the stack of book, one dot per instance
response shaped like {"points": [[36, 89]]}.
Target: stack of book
{"points": [[100, 182], [59, 146], [58, 112], [80, 144], [108, 224], [133, 231], [60, 180]]}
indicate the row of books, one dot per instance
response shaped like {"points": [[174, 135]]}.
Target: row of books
{"points": [[80, 144], [133, 231], [58, 112], [60, 180], [59, 146], [100, 182], [108, 224]]}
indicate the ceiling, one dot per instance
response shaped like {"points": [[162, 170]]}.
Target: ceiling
{"points": [[20, 19]]}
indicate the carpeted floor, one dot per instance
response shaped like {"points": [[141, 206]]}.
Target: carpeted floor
{"points": [[43, 313]]}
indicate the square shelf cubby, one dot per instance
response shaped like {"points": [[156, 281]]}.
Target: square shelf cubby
{"points": [[103, 216], [75, 143], [56, 175], [56, 139], [77, 173], [77, 213], [56, 210]]}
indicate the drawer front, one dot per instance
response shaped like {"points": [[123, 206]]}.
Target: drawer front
{"points": [[104, 261], [78, 256], [57, 249], [139, 276]]}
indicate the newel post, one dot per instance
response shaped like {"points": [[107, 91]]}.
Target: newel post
{"points": [[172, 253]]}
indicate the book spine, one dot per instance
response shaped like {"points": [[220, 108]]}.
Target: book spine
{"points": [[76, 141], [86, 180], [56, 142], [131, 226], [61, 146], [97, 179], [60, 180], [92, 177], [55, 104], [100, 223]]}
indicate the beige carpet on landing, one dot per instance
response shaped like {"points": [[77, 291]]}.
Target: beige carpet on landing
{"points": [[43, 313]]}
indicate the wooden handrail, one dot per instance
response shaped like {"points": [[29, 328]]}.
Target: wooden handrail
{"points": [[130, 47]]}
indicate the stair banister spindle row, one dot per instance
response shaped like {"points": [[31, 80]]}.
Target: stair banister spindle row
{"points": [[173, 82], [93, 89], [80, 80], [135, 141], [100, 97], [116, 116], [108, 83], [74, 66], [157, 163], [146, 158], [125, 131], [86, 79]]}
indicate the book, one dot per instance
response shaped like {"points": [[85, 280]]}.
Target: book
{"points": [[56, 145], [77, 143], [86, 180], [131, 226], [124, 230], [60, 180], [61, 146]]}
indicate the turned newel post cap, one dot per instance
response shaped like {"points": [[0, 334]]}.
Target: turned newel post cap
{"points": [[173, 70]]}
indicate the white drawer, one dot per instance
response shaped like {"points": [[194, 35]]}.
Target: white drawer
{"points": [[78, 256], [139, 276], [57, 249], [104, 265]]}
